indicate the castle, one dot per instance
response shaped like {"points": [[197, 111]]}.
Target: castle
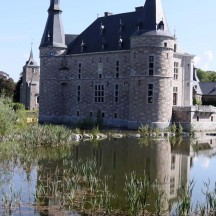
{"points": [[126, 67]]}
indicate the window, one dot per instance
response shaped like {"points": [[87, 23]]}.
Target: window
{"points": [[78, 93], [165, 44], [176, 65], [175, 47], [90, 114], [115, 115], [212, 118], [117, 69], [173, 159], [116, 93], [99, 94], [100, 70], [150, 93], [175, 95], [197, 118], [172, 185], [37, 99], [103, 115], [151, 65], [79, 70], [78, 113]]}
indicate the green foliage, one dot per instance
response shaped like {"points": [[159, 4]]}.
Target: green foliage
{"points": [[206, 76], [7, 117], [7, 85], [180, 129], [45, 135], [173, 128], [144, 130], [197, 101], [16, 96], [184, 206]]}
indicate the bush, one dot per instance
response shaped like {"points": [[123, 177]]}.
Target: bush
{"points": [[7, 117]]}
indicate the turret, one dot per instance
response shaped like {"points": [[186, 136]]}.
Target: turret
{"points": [[152, 48], [54, 33]]}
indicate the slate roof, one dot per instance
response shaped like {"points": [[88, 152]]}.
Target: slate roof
{"points": [[208, 88], [53, 35], [112, 30], [69, 38], [31, 62]]}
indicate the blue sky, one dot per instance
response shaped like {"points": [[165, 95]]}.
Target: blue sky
{"points": [[22, 22]]}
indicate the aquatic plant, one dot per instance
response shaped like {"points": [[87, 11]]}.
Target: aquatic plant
{"points": [[184, 206], [137, 190]]}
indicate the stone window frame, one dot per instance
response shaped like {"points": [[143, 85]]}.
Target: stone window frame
{"points": [[173, 162], [78, 93], [37, 99], [115, 115], [99, 93], [175, 95], [151, 65], [176, 70], [116, 93], [79, 70], [150, 93], [172, 185], [100, 70], [117, 69]]}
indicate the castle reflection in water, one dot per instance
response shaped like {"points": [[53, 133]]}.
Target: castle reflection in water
{"points": [[156, 158]]}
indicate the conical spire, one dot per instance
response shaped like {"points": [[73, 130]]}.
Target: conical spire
{"points": [[31, 61], [54, 33], [153, 17]]}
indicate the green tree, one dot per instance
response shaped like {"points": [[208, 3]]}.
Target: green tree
{"points": [[7, 85], [206, 76]]}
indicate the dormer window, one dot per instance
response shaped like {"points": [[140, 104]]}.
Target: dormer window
{"points": [[103, 45], [82, 46], [139, 25], [121, 26], [120, 42], [48, 38], [160, 25], [102, 28]]}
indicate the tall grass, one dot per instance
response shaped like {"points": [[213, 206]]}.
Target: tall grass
{"points": [[46, 135]]}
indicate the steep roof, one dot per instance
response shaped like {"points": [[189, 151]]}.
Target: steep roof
{"points": [[113, 32], [208, 88], [31, 62], [54, 33]]}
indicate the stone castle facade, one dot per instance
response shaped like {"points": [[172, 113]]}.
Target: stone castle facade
{"points": [[127, 67], [29, 89]]}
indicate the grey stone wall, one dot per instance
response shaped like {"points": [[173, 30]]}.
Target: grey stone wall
{"points": [[200, 118]]}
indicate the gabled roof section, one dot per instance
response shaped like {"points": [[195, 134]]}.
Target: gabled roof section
{"points": [[113, 32], [208, 88], [54, 33]]}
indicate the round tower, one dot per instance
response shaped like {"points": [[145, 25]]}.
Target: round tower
{"points": [[152, 48], [52, 48]]}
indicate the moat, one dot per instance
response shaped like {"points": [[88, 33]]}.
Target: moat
{"points": [[62, 180]]}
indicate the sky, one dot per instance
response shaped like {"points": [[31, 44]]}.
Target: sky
{"points": [[22, 24]]}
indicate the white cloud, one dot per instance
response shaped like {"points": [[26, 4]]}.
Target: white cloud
{"points": [[204, 61], [205, 163]]}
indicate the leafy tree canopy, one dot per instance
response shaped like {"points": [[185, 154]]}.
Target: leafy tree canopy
{"points": [[7, 85], [206, 76]]}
